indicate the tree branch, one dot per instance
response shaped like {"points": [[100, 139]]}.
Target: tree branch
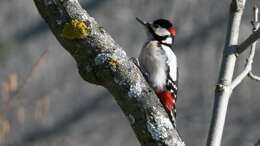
{"points": [[253, 76], [254, 36], [248, 66], [247, 69], [248, 42], [102, 61], [223, 90]]}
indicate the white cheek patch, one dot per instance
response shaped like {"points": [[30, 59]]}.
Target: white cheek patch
{"points": [[162, 32], [168, 40]]}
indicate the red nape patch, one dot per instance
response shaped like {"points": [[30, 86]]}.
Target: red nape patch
{"points": [[167, 100], [172, 30]]}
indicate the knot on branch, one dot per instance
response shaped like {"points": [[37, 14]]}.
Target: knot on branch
{"points": [[219, 87]]}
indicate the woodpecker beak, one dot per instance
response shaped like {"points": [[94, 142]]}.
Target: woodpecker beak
{"points": [[141, 21], [147, 25], [144, 23]]}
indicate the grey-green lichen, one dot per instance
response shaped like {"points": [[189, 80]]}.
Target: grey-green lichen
{"points": [[76, 29], [136, 88], [160, 128], [112, 59], [102, 58]]}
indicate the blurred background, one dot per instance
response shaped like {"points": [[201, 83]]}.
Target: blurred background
{"points": [[44, 102]]}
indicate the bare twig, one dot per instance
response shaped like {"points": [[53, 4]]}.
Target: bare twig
{"points": [[253, 76], [102, 61], [15, 92], [30, 73], [248, 66]]}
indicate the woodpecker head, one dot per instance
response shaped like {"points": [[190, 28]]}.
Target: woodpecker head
{"points": [[160, 29]]}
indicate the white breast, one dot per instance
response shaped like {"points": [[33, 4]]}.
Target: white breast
{"points": [[152, 61]]}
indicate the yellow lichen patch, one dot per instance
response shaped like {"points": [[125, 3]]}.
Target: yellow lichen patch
{"points": [[113, 62], [75, 29]]}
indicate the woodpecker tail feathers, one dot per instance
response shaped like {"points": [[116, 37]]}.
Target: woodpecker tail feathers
{"points": [[168, 101], [172, 117]]}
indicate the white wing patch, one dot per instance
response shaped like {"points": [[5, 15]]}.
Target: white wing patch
{"points": [[171, 61]]}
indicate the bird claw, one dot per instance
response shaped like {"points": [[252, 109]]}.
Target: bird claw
{"points": [[135, 61]]}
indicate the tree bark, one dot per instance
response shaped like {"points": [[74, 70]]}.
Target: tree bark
{"points": [[102, 61]]}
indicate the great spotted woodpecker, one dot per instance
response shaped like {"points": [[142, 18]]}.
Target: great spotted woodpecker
{"points": [[158, 63]]}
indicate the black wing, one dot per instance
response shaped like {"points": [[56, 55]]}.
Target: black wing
{"points": [[173, 85]]}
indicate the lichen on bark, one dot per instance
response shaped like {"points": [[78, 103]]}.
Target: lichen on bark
{"points": [[76, 29]]}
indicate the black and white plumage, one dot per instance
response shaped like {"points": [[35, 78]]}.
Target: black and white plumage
{"points": [[158, 63]]}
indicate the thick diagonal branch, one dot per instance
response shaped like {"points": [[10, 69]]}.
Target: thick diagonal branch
{"points": [[102, 61]]}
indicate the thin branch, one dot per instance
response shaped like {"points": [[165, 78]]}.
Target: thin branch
{"points": [[24, 82], [248, 66], [102, 61], [30, 73], [249, 41], [223, 90], [256, 33], [253, 76], [256, 26], [247, 69]]}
